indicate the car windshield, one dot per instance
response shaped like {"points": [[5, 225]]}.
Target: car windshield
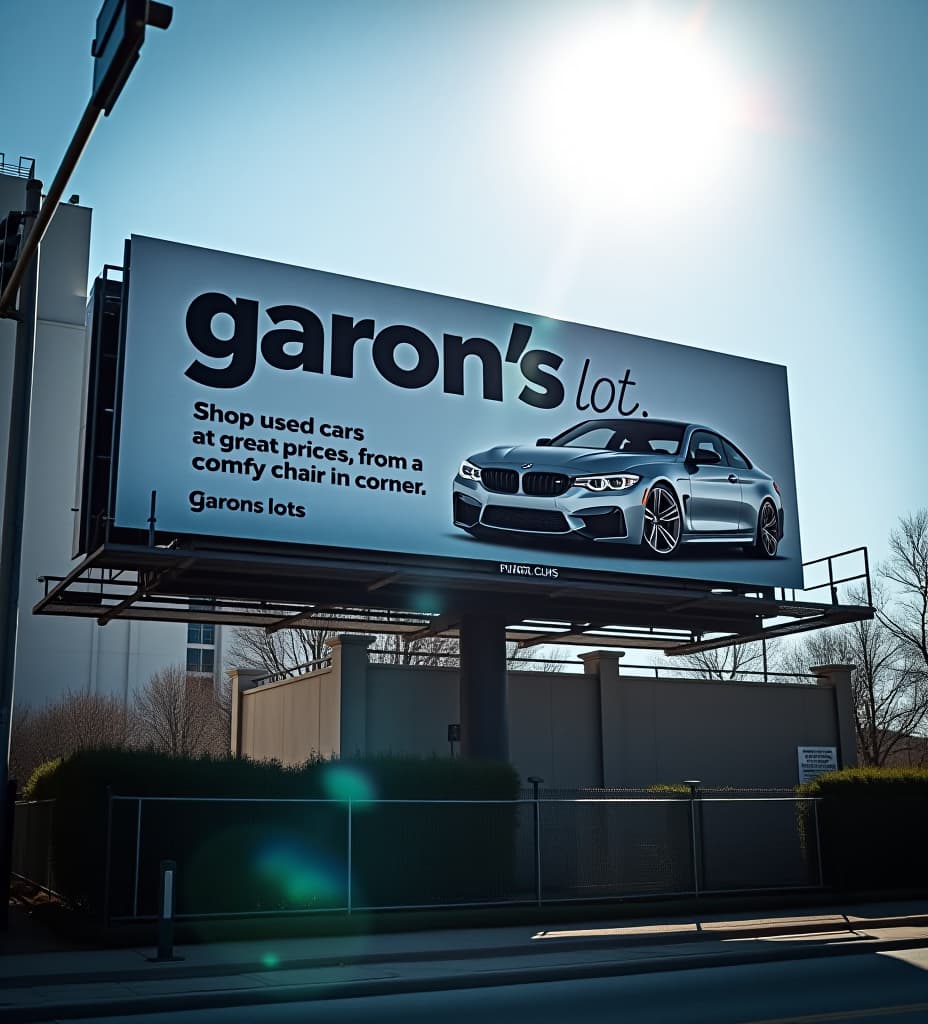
{"points": [[630, 437]]}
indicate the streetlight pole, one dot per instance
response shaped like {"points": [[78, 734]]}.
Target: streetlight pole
{"points": [[120, 32], [11, 533]]}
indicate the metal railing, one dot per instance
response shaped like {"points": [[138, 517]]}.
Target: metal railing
{"points": [[719, 675], [295, 672], [253, 857], [835, 578], [23, 168]]}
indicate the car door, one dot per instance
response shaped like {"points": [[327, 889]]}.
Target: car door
{"points": [[747, 477], [715, 488]]}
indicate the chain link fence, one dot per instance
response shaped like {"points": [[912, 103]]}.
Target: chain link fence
{"points": [[257, 856]]}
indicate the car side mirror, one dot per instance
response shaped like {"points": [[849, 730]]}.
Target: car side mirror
{"points": [[705, 457], [543, 442]]}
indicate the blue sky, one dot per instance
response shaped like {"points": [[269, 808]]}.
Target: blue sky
{"points": [[420, 143]]}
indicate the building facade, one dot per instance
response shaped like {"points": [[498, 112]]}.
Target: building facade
{"points": [[57, 654]]}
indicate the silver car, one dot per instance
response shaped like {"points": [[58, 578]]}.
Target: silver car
{"points": [[654, 483]]}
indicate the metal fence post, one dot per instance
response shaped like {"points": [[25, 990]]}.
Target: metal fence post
{"points": [[6, 854], [695, 831], [138, 856], [536, 782], [107, 856], [818, 844], [48, 846], [349, 857]]}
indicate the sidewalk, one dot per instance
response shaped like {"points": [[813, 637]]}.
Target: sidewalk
{"points": [[54, 985]]}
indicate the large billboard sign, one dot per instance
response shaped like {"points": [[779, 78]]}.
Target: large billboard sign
{"points": [[274, 403]]}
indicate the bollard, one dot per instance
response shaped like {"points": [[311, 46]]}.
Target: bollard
{"points": [[166, 912]]}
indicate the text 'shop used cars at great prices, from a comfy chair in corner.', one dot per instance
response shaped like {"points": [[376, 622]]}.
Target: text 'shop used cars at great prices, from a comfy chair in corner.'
{"points": [[654, 483]]}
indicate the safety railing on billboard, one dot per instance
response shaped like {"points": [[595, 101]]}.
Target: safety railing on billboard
{"points": [[839, 574], [253, 857]]}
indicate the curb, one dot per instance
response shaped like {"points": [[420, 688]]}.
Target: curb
{"points": [[181, 970], [396, 986]]}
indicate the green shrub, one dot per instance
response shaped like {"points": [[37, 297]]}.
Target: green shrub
{"points": [[270, 854], [873, 827], [47, 768]]}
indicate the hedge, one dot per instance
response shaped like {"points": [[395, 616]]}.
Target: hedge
{"points": [[266, 856], [873, 827]]}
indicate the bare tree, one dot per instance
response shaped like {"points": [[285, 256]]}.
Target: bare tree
{"points": [[434, 651], [278, 652], [730, 662], [445, 652], [289, 648], [178, 712], [890, 688], [540, 658], [76, 721], [907, 573]]}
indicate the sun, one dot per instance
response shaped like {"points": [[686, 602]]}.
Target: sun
{"points": [[635, 112]]}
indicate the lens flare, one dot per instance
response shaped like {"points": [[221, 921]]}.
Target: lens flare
{"points": [[297, 877], [347, 782]]}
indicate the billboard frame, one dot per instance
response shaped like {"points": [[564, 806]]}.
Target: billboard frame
{"points": [[88, 538], [183, 583], [138, 574]]}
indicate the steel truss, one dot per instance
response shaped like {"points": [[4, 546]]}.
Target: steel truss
{"points": [[195, 582]]}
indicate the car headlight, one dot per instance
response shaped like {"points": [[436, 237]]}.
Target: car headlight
{"points": [[607, 483], [469, 471]]}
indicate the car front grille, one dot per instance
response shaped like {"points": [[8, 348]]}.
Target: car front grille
{"points": [[503, 481], [546, 485], [532, 520]]}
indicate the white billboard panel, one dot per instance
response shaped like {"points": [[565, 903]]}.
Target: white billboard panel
{"points": [[275, 403]]}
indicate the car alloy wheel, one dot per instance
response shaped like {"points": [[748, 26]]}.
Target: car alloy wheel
{"points": [[662, 523], [768, 531]]}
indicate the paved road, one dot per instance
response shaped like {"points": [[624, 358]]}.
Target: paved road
{"points": [[888, 987]]}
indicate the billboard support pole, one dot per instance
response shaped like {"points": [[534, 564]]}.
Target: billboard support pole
{"points": [[484, 688]]}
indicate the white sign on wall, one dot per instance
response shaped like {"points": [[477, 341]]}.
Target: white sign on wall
{"points": [[815, 761], [275, 403]]}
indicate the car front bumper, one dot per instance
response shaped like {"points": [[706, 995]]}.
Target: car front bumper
{"points": [[615, 517]]}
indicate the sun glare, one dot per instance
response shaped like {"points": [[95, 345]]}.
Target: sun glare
{"points": [[634, 112]]}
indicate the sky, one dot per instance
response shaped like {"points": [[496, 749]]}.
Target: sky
{"points": [[745, 176]]}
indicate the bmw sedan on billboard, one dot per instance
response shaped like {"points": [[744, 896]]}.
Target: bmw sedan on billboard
{"points": [[264, 402], [655, 484]]}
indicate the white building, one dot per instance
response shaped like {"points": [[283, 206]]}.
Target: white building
{"points": [[57, 654]]}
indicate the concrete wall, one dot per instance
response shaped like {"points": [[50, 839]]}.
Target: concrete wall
{"points": [[723, 733], [591, 730], [409, 710], [554, 729], [291, 720]]}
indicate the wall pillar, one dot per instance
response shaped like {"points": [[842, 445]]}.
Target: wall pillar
{"points": [[349, 669], [605, 666], [484, 688], [242, 679], [839, 677]]}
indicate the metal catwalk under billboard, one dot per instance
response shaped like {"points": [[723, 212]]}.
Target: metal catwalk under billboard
{"points": [[275, 403]]}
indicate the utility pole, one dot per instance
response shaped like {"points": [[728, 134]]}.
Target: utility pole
{"points": [[120, 32], [11, 536]]}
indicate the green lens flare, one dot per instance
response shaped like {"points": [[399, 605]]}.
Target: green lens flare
{"points": [[347, 782]]}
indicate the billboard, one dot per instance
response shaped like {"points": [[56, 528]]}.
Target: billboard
{"points": [[275, 403]]}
